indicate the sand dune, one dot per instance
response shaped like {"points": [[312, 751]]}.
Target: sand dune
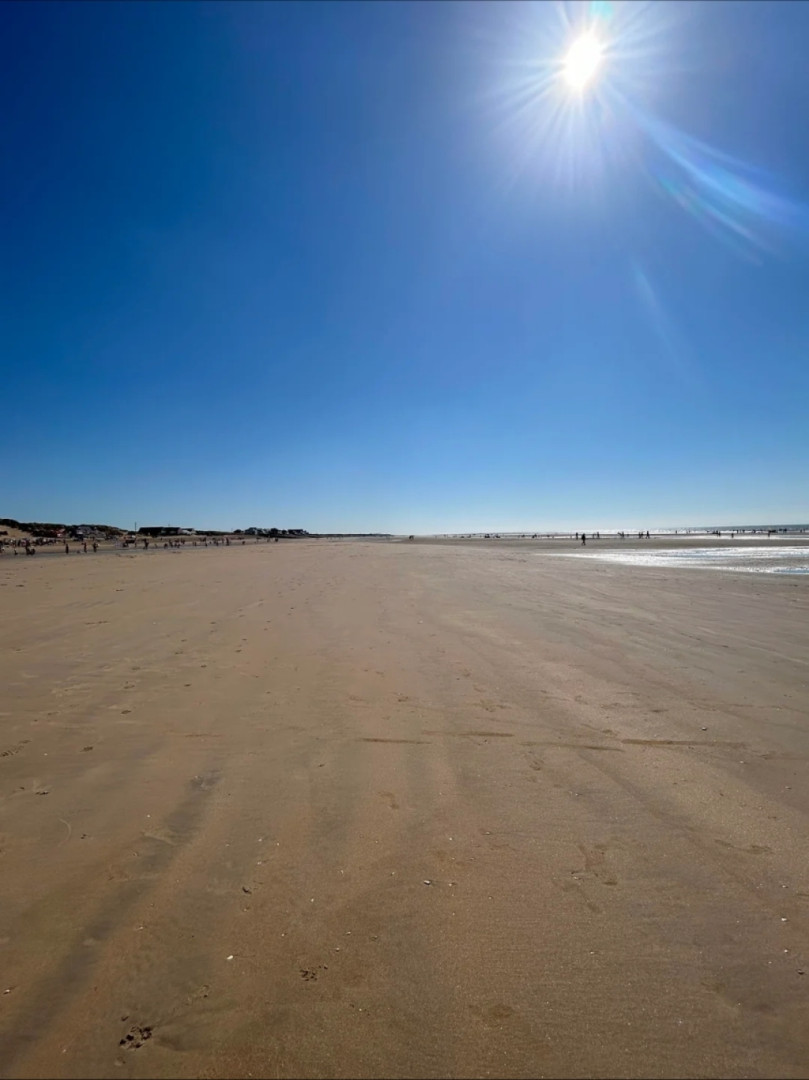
{"points": [[360, 809]]}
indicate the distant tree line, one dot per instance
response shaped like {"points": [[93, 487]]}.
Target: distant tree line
{"points": [[58, 528], [52, 529], [176, 530]]}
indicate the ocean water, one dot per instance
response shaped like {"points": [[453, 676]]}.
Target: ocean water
{"points": [[710, 533], [747, 560]]}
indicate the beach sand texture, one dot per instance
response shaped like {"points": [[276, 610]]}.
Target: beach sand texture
{"points": [[411, 810]]}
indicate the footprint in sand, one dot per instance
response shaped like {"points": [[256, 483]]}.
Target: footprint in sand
{"points": [[135, 1037], [492, 1014], [310, 974], [12, 750]]}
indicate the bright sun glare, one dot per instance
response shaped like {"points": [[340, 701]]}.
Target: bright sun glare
{"points": [[582, 62]]}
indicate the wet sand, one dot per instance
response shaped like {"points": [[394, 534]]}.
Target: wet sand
{"points": [[387, 809]]}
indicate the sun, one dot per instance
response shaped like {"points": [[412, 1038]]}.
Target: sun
{"points": [[583, 61]]}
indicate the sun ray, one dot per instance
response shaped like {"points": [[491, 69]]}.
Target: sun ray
{"points": [[573, 101]]}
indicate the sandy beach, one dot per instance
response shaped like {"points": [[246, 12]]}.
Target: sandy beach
{"points": [[337, 809]]}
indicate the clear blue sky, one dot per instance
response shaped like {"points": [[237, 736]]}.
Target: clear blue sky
{"points": [[376, 266]]}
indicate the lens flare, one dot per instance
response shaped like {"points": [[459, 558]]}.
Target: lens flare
{"points": [[738, 203], [577, 98]]}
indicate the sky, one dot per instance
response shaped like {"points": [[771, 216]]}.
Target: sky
{"points": [[384, 267]]}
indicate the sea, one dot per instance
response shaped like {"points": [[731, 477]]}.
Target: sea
{"points": [[756, 549], [785, 559]]}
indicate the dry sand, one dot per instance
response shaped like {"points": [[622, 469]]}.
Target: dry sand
{"points": [[355, 809]]}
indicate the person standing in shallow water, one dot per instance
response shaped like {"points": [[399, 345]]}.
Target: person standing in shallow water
{"points": [[584, 538]]}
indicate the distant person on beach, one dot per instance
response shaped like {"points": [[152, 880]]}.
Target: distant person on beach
{"points": [[584, 538], [67, 548], [95, 545]]}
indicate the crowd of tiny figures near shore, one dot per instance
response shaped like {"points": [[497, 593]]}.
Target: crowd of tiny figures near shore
{"points": [[28, 546]]}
